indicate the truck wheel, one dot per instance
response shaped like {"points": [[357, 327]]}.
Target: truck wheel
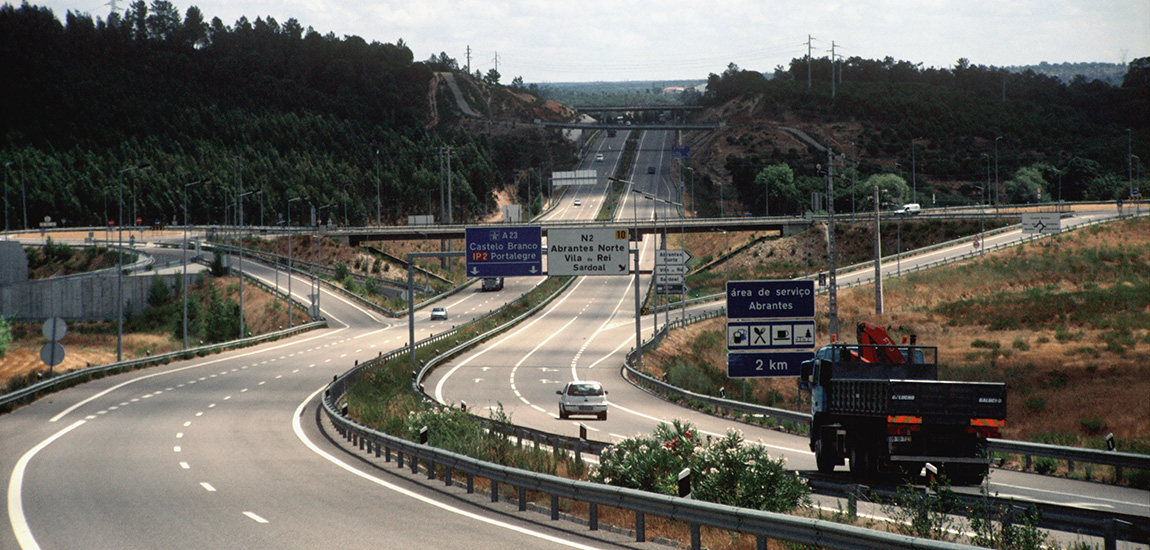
{"points": [[861, 462], [824, 458], [967, 474]]}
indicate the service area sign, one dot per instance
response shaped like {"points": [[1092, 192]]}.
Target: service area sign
{"points": [[770, 327], [588, 252], [504, 251], [767, 299]]}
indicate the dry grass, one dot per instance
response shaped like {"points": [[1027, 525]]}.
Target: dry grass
{"points": [[1063, 374], [88, 344]]}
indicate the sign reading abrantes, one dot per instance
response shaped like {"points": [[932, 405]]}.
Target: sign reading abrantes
{"points": [[770, 299], [504, 251], [588, 252], [770, 327]]}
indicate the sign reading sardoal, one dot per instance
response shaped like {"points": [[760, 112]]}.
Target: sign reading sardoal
{"points": [[588, 252]]}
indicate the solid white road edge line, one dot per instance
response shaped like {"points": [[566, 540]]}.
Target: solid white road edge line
{"points": [[439, 385], [366, 476], [15, 486]]}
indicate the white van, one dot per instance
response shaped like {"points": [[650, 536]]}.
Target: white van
{"points": [[908, 209]]}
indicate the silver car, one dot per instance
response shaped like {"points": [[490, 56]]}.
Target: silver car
{"points": [[582, 398], [438, 313]]}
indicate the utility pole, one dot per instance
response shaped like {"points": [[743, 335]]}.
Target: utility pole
{"points": [[809, 39], [877, 256], [832, 70], [468, 59]]}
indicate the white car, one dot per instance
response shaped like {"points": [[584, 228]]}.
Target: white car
{"points": [[599, 157], [438, 313], [582, 398], [578, 202]]}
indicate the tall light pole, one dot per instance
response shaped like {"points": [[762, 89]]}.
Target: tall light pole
{"points": [[378, 204], [184, 281], [7, 177], [120, 265], [913, 173], [319, 259], [997, 194], [638, 243], [24, 191], [291, 272]]}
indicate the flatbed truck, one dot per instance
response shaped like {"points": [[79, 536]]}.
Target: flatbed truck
{"points": [[881, 407]]}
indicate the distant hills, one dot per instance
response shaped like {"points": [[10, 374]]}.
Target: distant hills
{"points": [[1110, 73]]}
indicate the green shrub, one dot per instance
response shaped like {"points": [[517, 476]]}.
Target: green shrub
{"points": [[1092, 425], [1035, 404], [1020, 344], [1045, 466]]}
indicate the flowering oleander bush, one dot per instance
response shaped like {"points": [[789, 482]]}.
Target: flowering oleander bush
{"points": [[728, 471]]}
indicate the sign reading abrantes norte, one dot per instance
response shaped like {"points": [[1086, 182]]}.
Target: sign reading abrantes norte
{"points": [[588, 252], [504, 251], [770, 299]]}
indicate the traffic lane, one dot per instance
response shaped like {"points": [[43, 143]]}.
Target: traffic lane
{"points": [[213, 444], [483, 377], [478, 382], [1084, 494]]}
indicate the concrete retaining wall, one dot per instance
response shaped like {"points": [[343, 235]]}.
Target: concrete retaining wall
{"points": [[79, 298]]}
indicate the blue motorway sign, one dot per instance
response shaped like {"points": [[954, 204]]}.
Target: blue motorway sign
{"points": [[770, 299], [766, 364], [504, 251]]}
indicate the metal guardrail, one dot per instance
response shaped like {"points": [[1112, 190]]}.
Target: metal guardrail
{"points": [[69, 377], [1105, 524], [762, 525], [1072, 454]]}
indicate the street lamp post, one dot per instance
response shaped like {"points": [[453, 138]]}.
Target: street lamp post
{"points": [[184, 281], [291, 271], [378, 204], [120, 265], [997, 193], [240, 235], [319, 259], [7, 177]]}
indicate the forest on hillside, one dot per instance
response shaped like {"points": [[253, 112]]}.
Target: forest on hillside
{"points": [[1043, 139], [274, 111]]}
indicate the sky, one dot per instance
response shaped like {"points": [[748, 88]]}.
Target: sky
{"points": [[598, 40]]}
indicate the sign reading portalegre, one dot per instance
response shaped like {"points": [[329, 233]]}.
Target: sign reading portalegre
{"points": [[588, 252], [504, 251]]}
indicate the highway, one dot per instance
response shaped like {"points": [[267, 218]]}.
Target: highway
{"points": [[224, 451]]}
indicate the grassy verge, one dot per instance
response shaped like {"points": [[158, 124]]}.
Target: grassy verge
{"points": [[1063, 322], [616, 189]]}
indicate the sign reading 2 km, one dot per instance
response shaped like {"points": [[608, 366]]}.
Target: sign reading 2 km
{"points": [[504, 251]]}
